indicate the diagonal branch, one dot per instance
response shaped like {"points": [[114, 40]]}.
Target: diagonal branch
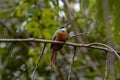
{"points": [[69, 74], [79, 34], [101, 44], [33, 75], [106, 68]]}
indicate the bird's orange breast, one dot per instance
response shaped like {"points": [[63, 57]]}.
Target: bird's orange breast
{"points": [[61, 37]]}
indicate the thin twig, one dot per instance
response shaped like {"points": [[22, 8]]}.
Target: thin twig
{"points": [[35, 68], [106, 68], [79, 34], [69, 74], [107, 47]]}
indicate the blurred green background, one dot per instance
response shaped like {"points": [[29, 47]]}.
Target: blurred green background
{"points": [[40, 19]]}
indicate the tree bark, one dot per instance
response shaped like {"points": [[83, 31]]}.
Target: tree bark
{"points": [[108, 27]]}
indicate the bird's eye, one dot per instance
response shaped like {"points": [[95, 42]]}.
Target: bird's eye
{"points": [[61, 27]]}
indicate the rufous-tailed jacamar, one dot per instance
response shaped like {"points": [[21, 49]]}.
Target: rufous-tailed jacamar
{"points": [[59, 35]]}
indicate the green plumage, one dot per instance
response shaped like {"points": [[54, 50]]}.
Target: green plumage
{"points": [[57, 31], [59, 35], [55, 34]]}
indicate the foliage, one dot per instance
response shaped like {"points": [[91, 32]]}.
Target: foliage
{"points": [[40, 19]]}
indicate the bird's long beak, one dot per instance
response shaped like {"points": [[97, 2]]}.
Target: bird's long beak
{"points": [[66, 25]]}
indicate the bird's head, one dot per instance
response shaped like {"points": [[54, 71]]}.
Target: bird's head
{"points": [[64, 27]]}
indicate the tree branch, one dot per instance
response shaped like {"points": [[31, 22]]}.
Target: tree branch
{"points": [[33, 75], [106, 69], [11, 32], [69, 74], [107, 47], [90, 45], [79, 34]]}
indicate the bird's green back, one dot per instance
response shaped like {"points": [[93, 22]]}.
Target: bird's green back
{"points": [[56, 32]]}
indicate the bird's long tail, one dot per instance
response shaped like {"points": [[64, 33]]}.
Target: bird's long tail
{"points": [[53, 58]]}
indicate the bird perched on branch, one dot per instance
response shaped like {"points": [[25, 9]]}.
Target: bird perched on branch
{"points": [[59, 35]]}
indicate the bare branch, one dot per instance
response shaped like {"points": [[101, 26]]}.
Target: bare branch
{"points": [[91, 45], [69, 74], [11, 32], [33, 75], [106, 68], [79, 34], [101, 44]]}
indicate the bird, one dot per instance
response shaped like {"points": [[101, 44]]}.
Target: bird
{"points": [[59, 35]]}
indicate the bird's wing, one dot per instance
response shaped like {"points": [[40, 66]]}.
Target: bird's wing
{"points": [[52, 43], [54, 36]]}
